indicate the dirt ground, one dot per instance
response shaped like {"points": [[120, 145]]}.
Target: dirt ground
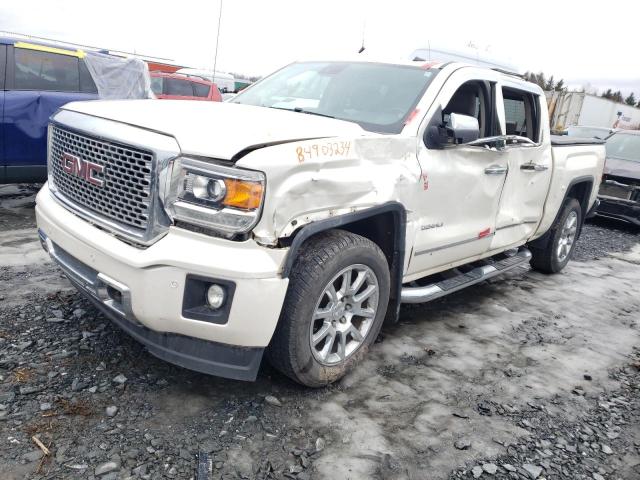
{"points": [[526, 376]]}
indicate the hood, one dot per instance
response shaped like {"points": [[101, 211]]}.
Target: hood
{"points": [[215, 129], [622, 168]]}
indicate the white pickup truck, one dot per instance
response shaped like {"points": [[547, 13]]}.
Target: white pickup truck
{"points": [[296, 219]]}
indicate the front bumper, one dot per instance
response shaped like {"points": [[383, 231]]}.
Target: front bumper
{"points": [[149, 286], [625, 210]]}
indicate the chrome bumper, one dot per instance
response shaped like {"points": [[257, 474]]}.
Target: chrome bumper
{"points": [[112, 294]]}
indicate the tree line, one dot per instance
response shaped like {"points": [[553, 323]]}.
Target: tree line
{"points": [[549, 84], [617, 97]]}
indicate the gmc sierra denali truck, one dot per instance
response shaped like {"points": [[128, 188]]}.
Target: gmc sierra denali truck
{"points": [[295, 220]]}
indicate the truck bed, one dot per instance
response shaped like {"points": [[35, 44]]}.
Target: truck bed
{"points": [[566, 141]]}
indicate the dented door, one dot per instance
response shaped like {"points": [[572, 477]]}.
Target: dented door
{"points": [[461, 185], [530, 166], [458, 205]]}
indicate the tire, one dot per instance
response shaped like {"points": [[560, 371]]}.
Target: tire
{"points": [[552, 259], [324, 260]]}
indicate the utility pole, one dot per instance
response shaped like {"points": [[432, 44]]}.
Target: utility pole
{"points": [[215, 58]]}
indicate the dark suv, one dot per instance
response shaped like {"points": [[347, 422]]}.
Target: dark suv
{"points": [[35, 80]]}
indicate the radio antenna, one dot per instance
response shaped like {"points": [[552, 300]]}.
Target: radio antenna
{"points": [[364, 25], [215, 57]]}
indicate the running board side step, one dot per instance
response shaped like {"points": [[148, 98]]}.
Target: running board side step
{"points": [[463, 280]]}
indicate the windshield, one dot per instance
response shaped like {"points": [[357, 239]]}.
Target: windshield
{"points": [[625, 146], [378, 97]]}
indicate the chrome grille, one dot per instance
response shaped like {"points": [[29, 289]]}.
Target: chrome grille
{"points": [[125, 195]]}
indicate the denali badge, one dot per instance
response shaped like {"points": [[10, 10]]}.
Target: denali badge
{"points": [[82, 168]]}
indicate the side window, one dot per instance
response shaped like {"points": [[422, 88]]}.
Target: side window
{"points": [[201, 90], [3, 65], [87, 85], [182, 88], [474, 100], [37, 70], [156, 85], [521, 113]]}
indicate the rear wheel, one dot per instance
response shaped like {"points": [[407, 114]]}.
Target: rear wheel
{"points": [[334, 308], [563, 235]]}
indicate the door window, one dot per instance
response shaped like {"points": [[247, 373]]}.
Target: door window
{"points": [[521, 113], [3, 64], [474, 100], [36, 70], [201, 90], [156, 85], [181, 88], [87, 85]]}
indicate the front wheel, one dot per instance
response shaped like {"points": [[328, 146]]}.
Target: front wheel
{"points": [[334, 308], [563, 236]]}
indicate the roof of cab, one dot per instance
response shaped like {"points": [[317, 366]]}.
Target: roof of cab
{"points": [[180, 76], [42, 45], [14, 40], [510, 77], [372, 59]]}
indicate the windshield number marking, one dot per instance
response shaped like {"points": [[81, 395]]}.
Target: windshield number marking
{"points": [[329, 149]]}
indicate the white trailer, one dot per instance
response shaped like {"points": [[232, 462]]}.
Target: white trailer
{"points": [[584, 109]]}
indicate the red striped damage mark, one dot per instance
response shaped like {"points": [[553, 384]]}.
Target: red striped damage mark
{"points": [[411, 116], [425, 181], [484, 233]]}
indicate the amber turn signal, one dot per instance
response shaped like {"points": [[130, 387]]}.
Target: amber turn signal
{"points": [[243, 194]]}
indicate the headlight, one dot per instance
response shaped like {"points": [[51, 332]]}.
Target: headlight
{"points": [[218, 197]]}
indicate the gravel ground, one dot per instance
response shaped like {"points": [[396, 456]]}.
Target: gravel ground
{"points": [[526, 376], [601, 236]]}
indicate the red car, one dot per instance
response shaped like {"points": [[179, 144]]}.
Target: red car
{"points": [[180, 87]]}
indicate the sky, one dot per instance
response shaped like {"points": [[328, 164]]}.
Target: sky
{"points": [[583, 44]]}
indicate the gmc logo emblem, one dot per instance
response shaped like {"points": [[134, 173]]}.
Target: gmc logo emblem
{"points": [[84, 169]]}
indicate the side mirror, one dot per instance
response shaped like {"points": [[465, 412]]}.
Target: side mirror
{"points": [[435, 135], [463, 128]]}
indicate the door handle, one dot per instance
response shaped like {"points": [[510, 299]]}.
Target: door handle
{"points": [[533, 167], [495, 170]]}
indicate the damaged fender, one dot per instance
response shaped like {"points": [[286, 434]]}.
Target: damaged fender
{"points": [[313, 180]]}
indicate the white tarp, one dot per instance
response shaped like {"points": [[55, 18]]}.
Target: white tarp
{"points": [[119, 78]]}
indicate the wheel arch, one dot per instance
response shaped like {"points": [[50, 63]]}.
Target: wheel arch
{"points": [[579, 188], [385, 225]]}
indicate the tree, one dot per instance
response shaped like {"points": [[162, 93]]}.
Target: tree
{"points": [[550, 84], [541, 80], [617, 97], [537, 78], [630, 100], [608, 94]]}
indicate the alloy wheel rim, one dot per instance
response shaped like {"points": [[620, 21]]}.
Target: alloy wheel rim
{"points": [[567, 236], [344, 314]]}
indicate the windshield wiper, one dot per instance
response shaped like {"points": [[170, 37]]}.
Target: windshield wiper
{"points": [[301, 110]]}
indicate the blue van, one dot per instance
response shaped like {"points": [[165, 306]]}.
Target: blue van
{"points": [[35, 80]]}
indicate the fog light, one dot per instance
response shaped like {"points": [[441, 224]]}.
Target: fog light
{"points": [[215, 296]]}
